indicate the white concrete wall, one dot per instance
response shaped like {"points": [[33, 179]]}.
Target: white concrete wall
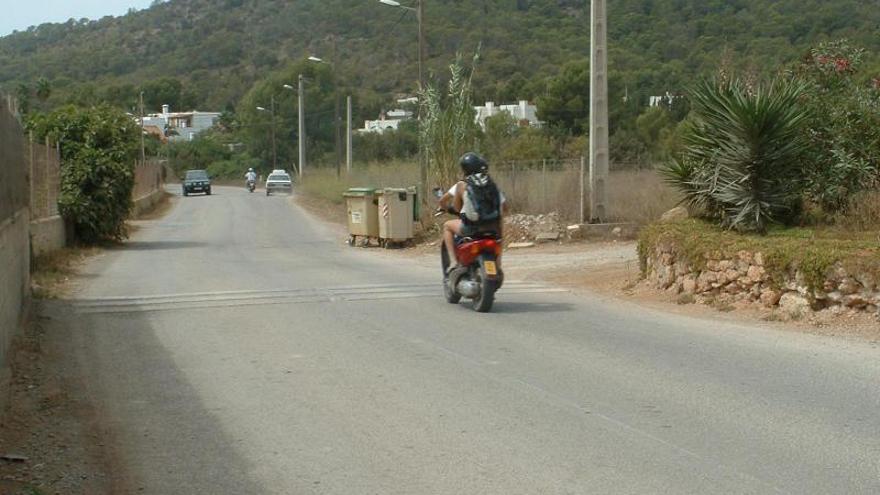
{"points": [[47, 234], [15, 282]]}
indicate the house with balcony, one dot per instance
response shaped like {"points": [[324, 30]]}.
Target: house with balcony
{"points": [[180, 126]]}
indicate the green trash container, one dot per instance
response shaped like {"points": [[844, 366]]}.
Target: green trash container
{"points": [[396, 215], [361, 206]]}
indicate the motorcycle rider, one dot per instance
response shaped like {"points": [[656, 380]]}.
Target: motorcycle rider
{"points": [[478, 201], [250, 176]]}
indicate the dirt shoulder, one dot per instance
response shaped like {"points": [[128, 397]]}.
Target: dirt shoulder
{"points": [[51, 438]]}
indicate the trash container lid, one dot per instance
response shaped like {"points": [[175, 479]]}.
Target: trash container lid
{"points": [[356, 192]]}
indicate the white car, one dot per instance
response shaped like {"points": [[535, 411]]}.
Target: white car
{"points": [[278, 180]]}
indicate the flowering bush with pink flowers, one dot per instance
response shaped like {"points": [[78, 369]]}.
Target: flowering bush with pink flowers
{"points": [[844, 126]]}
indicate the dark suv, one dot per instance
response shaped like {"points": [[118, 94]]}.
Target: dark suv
{"points": [[196, 181]]}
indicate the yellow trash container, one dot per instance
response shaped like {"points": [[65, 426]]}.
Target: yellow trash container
{"points": [[363, 214], [396, 215]]}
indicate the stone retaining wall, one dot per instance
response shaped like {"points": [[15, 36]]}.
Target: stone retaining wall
{"points": [[743, 278]]}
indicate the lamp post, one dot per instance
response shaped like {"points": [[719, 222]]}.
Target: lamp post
{"points": [[274, 148], [301, 128], [336, 119], [419, 10], [598, 110]]}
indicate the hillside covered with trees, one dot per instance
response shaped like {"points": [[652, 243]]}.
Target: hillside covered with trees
{"points": [[223, 55]]}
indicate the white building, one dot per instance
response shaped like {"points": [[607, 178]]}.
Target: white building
{"points": [[387, 121], [181, 126], [522, 112], [656, 101]]}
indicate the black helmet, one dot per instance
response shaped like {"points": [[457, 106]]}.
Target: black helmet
{"points": [[472, 163]]}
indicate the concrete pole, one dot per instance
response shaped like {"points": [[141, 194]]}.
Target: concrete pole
{"points": [[348, 136], [423, 157], [143, 145], [598, 111], [301, 128], [274, 147]]}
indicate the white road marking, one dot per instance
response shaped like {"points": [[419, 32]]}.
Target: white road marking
{"points": [[206, 300]]}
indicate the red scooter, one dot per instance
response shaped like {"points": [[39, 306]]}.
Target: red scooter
{"points": [[477, 275]]}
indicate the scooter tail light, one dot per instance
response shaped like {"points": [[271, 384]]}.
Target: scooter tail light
{"points": [[475, 249]]}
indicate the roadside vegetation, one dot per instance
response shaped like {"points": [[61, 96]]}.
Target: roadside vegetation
{"points": [[99, 147], [789, 168]]}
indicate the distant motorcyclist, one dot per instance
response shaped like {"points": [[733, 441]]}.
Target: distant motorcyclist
{"points": [[476, 199], [251, 176]]}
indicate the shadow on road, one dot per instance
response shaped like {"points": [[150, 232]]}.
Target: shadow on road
{"points": [[530, 307], [159, 245]]}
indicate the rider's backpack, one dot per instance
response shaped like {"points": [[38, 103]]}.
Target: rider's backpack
{"points": [[482, 200]]}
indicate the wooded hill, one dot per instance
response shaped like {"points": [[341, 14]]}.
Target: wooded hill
{"points": [[218, 49]]}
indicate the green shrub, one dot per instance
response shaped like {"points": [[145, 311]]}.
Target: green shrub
{"points": [[99, 147], [844, 126], [742, 158]]}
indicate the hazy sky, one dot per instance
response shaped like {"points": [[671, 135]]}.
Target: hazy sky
{"points": [[20, 14]]}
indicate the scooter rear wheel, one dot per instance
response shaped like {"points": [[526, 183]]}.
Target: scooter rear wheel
{"points": [[483, 302]]}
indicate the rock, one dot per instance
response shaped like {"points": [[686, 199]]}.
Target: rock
{"points": [[676, 214], [520, 245], [867, 280], [732, 275], [667, 259], [770, 297], [689, 286], [746, 257], [712, 265], [794, 304], [848, 286], [756, 273], [725, 265], [759, 259], [574, 232], [616, 231], [834, 297], [855, 301], [547, 237]]}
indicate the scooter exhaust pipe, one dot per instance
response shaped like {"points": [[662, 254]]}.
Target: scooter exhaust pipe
{"points": [[468, 288]]}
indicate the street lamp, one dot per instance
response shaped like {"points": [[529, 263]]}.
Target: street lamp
{"points": [[301, 128], [274, 148], [319, 60], [419, 9]]}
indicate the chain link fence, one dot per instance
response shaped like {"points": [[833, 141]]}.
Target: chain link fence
{"points": [[562, 186]]}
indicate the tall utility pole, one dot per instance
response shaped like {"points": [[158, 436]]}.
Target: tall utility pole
{"points": [[423, 157], [274, 147], [348, 137], [143, 145], [337, 119], [598, 111], [301, 131]]}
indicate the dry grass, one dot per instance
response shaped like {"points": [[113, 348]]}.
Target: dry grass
{"points": [[322, 183], [638, 196], [51, 272], [863, 214]]}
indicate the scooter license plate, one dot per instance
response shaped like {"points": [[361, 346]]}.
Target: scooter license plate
{"points": [[490, 267]]}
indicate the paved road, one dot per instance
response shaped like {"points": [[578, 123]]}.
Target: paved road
{"points": [[237, 346]]}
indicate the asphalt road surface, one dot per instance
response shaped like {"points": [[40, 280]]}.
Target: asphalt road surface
{"points": [[237, 346]]}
